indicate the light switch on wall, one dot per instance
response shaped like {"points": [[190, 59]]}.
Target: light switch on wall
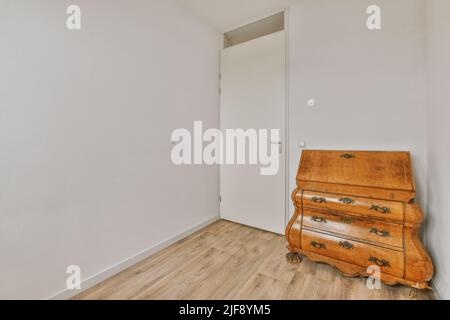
{"points": [[311, 103]]}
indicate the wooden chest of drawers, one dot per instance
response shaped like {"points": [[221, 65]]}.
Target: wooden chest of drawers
{"points": [[355, 210]]}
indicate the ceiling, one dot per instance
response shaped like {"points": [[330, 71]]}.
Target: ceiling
{"points": [[225, 15]]}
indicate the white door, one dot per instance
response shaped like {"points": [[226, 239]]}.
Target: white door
{"points": [[253, 95]]}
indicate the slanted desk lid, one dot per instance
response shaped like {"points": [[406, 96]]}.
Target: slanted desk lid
{"points": [[387, 170]]}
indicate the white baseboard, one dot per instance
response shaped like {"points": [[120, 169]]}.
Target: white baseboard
{"points": [[108, 273], [438, 291]]}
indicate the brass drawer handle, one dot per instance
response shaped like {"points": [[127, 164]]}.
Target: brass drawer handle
{"points": [[380, 209], [380, 263], [381, 233], [346, 245], [319, 200], [347, 201], [318, 245], [319, 219], [348, 156], [347, 220]]}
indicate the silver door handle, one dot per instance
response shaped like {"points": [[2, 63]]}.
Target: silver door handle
{"points": [[279, 143]]}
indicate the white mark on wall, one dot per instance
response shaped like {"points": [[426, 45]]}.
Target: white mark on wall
{"points": [[374, 19], [73, 22], [74, 280], [232, 147]]}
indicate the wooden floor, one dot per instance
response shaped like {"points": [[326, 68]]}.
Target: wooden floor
{"points": [[231, 261]]}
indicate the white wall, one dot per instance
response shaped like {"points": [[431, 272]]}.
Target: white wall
{"points": [[369, 86], [85, 124], [438, 112]]}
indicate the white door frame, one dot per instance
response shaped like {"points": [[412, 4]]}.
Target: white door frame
{"points": [[287, 137]]}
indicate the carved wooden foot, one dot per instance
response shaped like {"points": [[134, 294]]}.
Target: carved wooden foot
{"points": [[293, 258]]}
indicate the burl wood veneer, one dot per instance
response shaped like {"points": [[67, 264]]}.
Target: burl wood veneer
{"points": [[355, 210]]}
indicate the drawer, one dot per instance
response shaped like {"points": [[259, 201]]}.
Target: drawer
{"points": [[364, 229], [365, 255], [380, 209]]}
